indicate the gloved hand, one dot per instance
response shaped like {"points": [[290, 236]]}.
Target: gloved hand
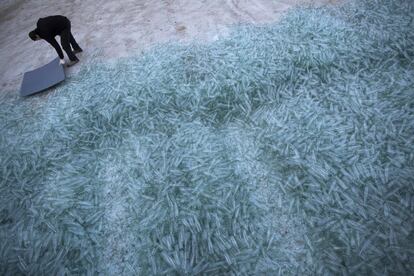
{"points": [[62, 61]]}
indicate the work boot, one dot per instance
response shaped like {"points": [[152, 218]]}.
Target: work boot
{"points": [[73, 62], [77, 51]]}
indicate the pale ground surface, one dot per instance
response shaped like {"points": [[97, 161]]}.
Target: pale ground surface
{"points": [[112, 29]]}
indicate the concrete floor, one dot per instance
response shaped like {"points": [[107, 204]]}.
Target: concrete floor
{"points": [[113, 29]]}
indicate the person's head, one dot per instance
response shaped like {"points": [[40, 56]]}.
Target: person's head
{"points": [[33, 35]]}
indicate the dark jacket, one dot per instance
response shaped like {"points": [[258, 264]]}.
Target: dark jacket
{"points": [[51, 26]]}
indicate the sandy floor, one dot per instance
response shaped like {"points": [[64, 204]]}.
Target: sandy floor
{"points": [[111, 29]]}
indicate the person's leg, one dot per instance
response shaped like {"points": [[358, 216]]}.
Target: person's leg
{"points": [[75, 45], [65, 41]]}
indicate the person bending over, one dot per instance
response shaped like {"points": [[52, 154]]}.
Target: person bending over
{"points": [[51, 26]]}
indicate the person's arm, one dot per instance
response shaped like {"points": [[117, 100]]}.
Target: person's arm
{"points": [[56, 45]]}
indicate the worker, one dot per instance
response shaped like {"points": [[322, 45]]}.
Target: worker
{"points": [[51, 26]]}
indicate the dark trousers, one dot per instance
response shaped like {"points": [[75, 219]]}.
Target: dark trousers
{"points": [[67, 40]]}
